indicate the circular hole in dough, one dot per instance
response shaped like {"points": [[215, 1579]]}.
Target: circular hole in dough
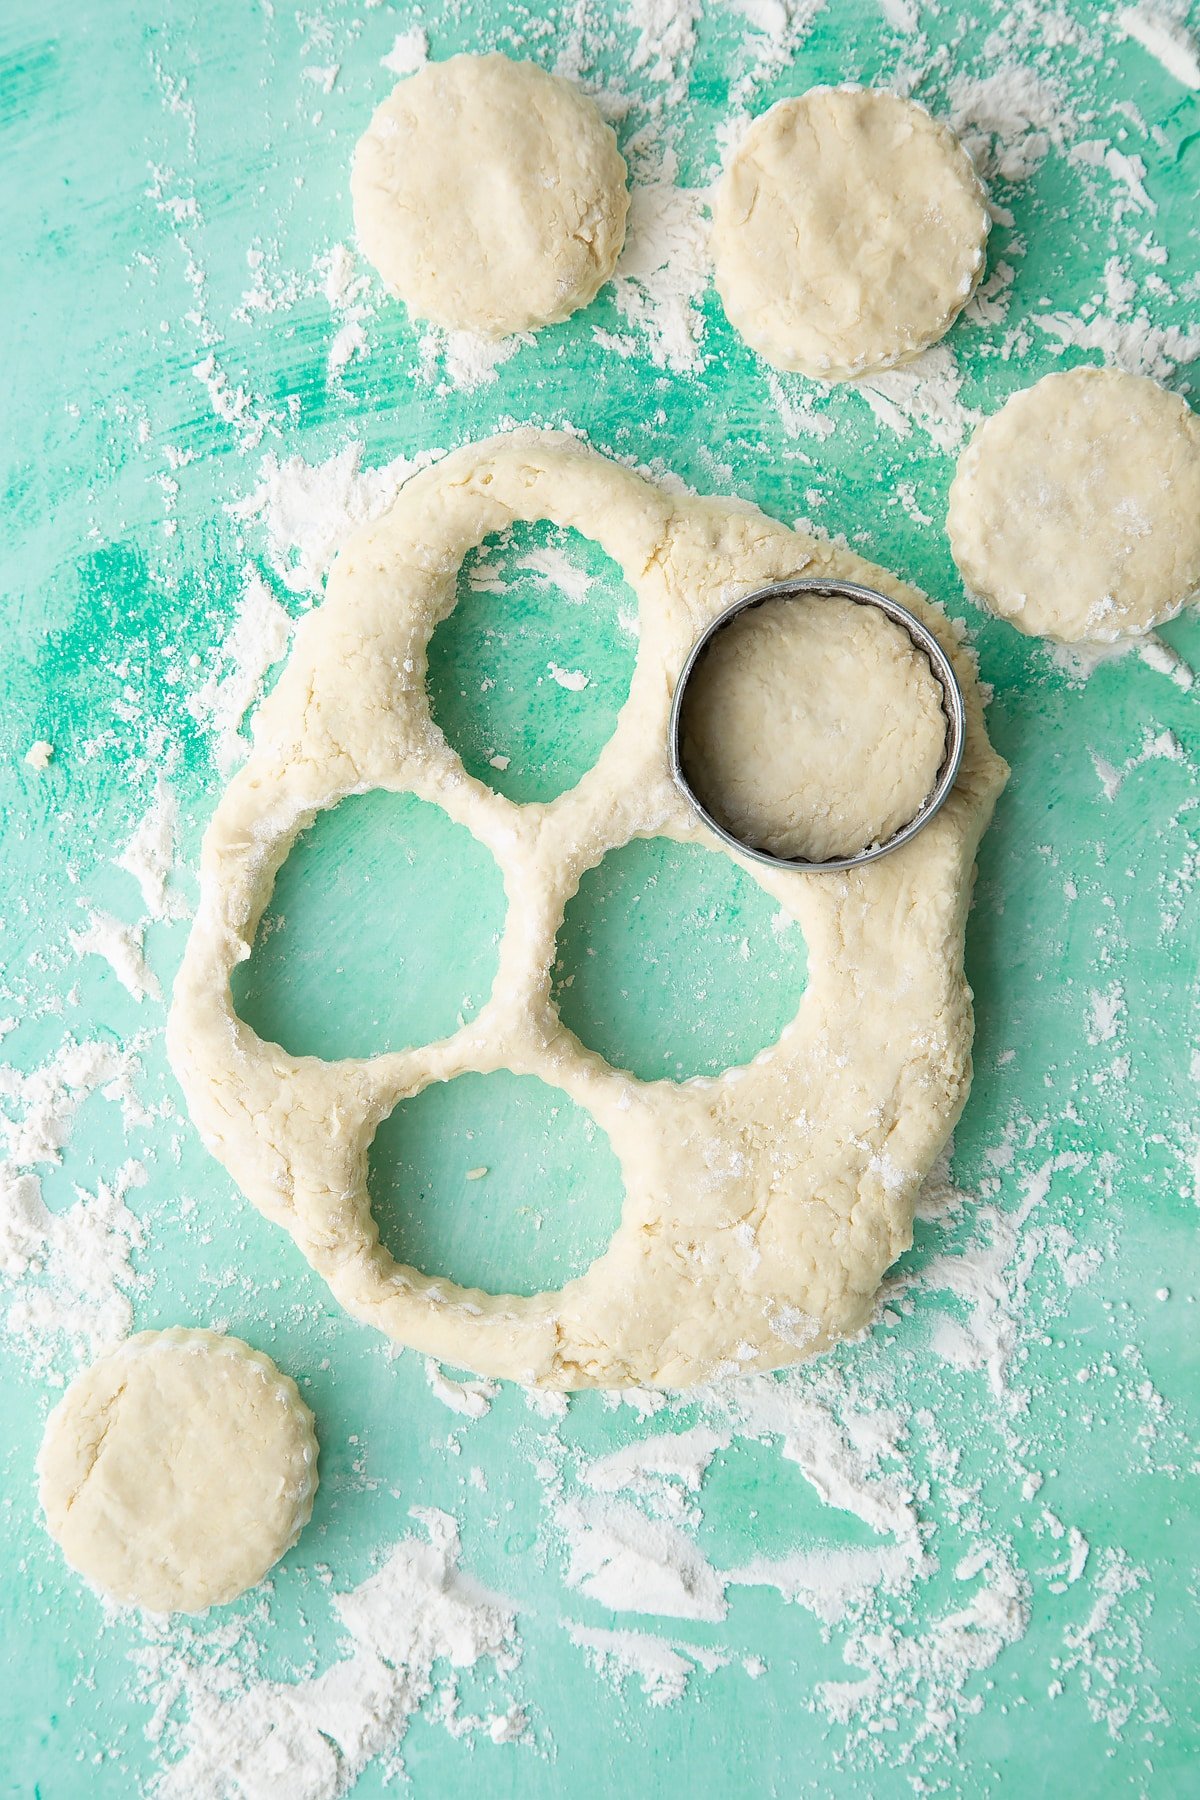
{"points": [[528, 673], [849, 231], [673, 962], [176, 1470], [490, 195], [351, 901], [497, 1182], [1075, 509], [813, 728]]}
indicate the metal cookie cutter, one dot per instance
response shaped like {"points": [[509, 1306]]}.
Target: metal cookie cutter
{"points": [[943, 674]]}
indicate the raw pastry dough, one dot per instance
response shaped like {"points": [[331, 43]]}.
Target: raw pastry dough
{"points": [[761, 1207], [1075, 511], [177, 1469], [813, 727], [490, 195], [849, 232]]}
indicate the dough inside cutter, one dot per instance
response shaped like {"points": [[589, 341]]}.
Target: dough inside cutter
{"points": [[812, 727]]}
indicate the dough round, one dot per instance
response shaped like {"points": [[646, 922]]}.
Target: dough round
{"points": [[177, 1469], [813, 727], [1075, 511], [490, 195], [849, 231], [761, 1207]]}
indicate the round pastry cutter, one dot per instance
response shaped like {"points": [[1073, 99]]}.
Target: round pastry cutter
{"points": [[924, 641]]}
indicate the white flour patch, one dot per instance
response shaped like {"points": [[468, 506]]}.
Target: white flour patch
{"points": [[120, 946], [149, 856], [409, 53], [71, 1272], [310, 509], [257, 639], [829, 1582], [663, 271], [922, 393], [1160, 746], [471, 1398], [464, 360], [657, 1463], [1135, 344], [310, 1739], [1162, 30], [550, 564], [629, 1563], [1009, 119], [662, 1666]]}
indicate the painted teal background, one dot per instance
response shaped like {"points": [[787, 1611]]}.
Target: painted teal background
{"points": [[147, 149]]}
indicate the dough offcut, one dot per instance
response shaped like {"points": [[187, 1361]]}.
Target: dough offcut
{"points": [[761, 1207]]}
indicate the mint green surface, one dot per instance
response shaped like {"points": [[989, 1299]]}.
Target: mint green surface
{"points": [[148, 149]]}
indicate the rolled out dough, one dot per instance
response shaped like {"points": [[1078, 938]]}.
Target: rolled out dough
{"points": [[849, 231], [1075, 510], [176, 1470], [490, 195], [761, 1207], [813, 728]]}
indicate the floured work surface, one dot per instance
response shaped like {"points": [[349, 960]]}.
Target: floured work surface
{"points": [[956, 1550]]}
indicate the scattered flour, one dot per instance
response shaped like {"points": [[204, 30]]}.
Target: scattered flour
{"points": [[922, 393], [467, 361], [574, 680], [661, 1665], [120, 946], [1162, 30], [1009, 119], [310, 509], [149, 856], [628, 1562], [471, 1398], [311, 1739], [409, 53], [663, 273], [256, 641]]}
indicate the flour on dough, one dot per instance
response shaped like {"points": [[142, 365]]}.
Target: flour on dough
{"points": [[813, 728], [177, 1469], [761, 1207], [490, 195], [1075, 510], [849, 231]]}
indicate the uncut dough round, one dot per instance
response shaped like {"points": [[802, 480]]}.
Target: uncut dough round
{"points": [[761, 1207], [849, 231], [813, 728], [176, 1470], [1075, 510], [490, 195]]}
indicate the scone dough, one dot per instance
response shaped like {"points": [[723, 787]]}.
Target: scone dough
{"points": [[177, 1469], [813, 727], [1075, 511], [849, 231], [761, 1207], [490, 195]]}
